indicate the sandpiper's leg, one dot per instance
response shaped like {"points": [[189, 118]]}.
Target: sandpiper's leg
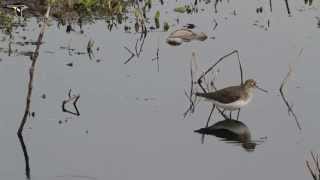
{"points": [[238, 114], [230, 115]]}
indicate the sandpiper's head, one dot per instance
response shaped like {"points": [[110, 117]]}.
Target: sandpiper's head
{"points": [[251, 83]]}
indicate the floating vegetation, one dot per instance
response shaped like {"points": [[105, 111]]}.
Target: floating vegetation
{"points": [[231, 131]]}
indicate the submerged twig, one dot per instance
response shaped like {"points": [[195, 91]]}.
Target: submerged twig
{"points": [[287, 6], [138, 47], [191, 93], [219, 60], [215, 24], [132, 55], [26, 156], [290, 110], [190, 109], [314, 171], [90, 49], [34, 59], [215, 6], [10, 48], [74, 99], [207, 124], [157, 57], [142, 39]]}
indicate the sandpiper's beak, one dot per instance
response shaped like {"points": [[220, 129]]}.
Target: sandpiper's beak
{"points": [[261, 89]]}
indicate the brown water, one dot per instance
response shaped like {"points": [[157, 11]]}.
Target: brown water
{"points": [[131, 124]]}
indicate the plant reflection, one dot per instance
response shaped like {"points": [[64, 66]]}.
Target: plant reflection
{"points": [[232, 131]]}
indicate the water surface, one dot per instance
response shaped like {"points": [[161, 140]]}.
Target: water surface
{"points": [[131, 124]]}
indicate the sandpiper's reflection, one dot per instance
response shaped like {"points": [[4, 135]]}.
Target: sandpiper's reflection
{"points": [[231, 131]]}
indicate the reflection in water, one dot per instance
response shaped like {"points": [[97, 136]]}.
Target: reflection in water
{"points": [[231, 131], [25, 154]]}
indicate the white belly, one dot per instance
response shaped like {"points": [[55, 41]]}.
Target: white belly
{"points": [[232, 106]]}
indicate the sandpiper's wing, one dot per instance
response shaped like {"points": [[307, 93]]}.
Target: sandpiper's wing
{"points": [[226, 95]]}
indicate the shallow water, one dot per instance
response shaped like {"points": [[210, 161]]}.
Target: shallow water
{"points": [[131, 124]]}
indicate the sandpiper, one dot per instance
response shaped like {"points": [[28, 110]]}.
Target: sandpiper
{"points": [[233, 97]]}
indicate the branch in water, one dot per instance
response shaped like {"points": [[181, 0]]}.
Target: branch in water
{"points": [[315, 170], [34, 59], [132, 55], [219, 60], [74, 99], [287, 6]]}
